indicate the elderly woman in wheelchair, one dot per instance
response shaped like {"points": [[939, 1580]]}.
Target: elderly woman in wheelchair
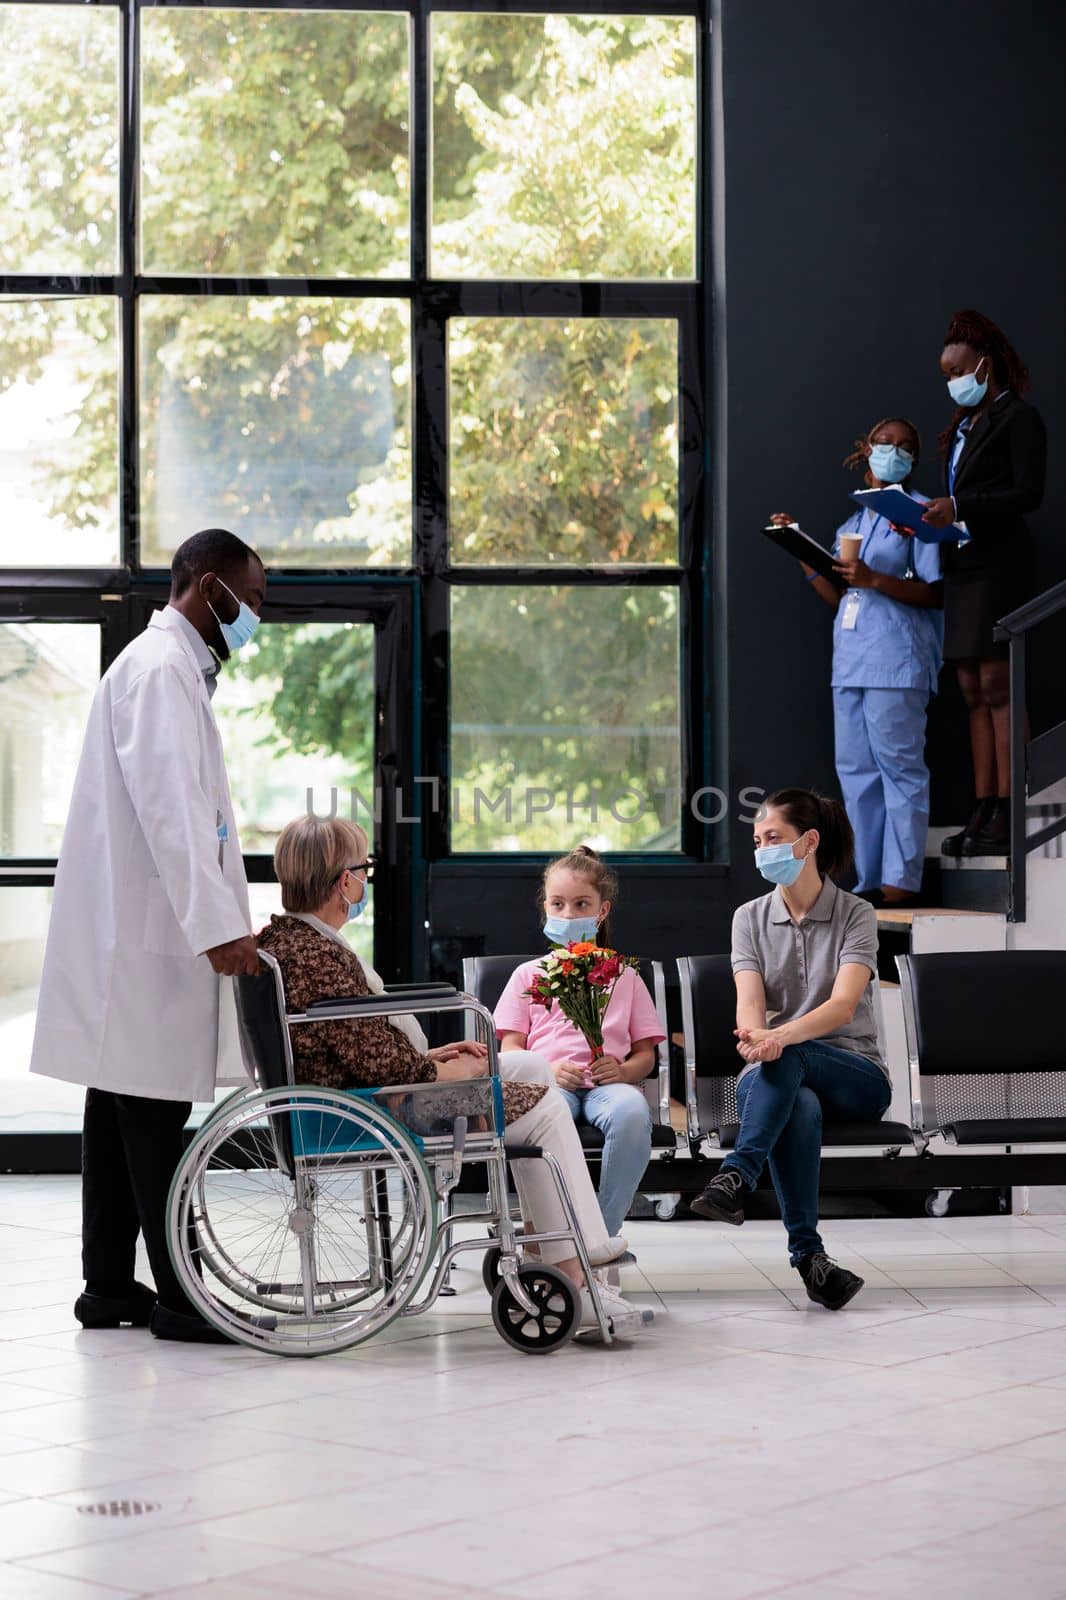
{"points": [[317, 1202]]}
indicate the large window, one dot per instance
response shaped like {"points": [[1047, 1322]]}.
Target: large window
{"points": [[412, 299]]}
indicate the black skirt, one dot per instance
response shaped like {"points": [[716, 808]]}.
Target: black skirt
{"points": [[973, 604]]}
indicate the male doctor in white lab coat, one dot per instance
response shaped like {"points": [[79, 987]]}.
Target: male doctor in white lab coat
{"points": [[150, 912]]}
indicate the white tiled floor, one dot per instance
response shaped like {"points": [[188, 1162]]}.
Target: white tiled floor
{"points": [[747, 1445]]}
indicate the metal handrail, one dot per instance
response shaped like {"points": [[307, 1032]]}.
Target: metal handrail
{"points": [[1046, 754], [1033, 611]]}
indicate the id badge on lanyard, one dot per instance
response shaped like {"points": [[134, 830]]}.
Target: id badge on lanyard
{"points": [[849, 616]]}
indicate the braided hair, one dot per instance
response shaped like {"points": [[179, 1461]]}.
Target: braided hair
{"points": [[1008, 368], [859, 457]]}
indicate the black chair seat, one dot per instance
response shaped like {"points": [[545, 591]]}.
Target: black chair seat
{"points": [[1009, 1130], [592, 1138], [877, 1135]]}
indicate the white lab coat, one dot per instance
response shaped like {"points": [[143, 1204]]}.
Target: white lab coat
{"points": [[128, 1000]]}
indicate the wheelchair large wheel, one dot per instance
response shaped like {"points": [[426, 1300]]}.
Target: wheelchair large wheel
{"points": [[557, 1315], [308, 1203], [245, 1279]]}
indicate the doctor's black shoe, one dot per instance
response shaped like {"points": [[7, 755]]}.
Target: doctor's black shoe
{"points": [[722, 1200], [188, 1329], [827, 1284], [132, 1309]]}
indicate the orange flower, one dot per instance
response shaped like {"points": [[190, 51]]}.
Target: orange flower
{"points": [[566, 966], [584, 947]]}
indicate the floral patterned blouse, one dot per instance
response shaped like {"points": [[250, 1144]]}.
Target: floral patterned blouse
{"points": [[344, 1053]]}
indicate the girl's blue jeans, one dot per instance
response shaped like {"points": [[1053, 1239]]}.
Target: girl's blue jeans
{"points": [[781, 1104], [624, 1116]]}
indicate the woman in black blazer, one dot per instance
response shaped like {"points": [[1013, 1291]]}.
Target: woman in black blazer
{"points": [[995, 457]]}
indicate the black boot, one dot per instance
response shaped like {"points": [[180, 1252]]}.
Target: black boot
{"points": [[827, 1283], [723, 1198], [954, 844], [993, 837]]}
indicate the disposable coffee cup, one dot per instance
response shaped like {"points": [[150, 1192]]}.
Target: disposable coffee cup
{"points": [[850, 545]]}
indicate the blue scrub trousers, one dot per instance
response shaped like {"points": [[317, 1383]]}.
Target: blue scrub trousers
{"points": [[880, 760]]}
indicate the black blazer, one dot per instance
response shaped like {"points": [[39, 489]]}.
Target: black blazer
{"points": [[1000, 477]]}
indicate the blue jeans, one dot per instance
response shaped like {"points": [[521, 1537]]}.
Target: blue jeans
{"points": [[623, 1115], [781, 1104]]}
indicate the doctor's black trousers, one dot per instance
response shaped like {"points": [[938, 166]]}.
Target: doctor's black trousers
{"points": [[130, 1147]]}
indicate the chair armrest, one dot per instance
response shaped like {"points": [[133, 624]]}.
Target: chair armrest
{"points": [[426, 999], [688, 1026]]}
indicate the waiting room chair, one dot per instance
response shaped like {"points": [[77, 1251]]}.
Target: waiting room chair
{"points": [[485, 977], [985, 1045], [708, 1014]]}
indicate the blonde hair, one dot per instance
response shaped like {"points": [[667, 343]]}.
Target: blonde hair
{"points": [[311, 854]]}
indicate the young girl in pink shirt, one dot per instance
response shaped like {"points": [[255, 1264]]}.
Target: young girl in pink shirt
{"points": [[577, 893]]}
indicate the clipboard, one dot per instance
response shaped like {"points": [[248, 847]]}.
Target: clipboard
{"points": [[799, 544], [906, 510]]}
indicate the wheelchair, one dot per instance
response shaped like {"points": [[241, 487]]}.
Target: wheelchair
{"points": [[303, 1221]]}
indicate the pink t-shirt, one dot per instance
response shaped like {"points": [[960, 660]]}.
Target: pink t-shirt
{"points": [[630, 1015]]}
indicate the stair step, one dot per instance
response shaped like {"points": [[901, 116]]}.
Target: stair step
{"points": [[900, 919]]}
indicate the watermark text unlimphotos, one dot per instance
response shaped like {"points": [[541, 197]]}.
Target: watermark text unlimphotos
{"points": [[524, 804]]}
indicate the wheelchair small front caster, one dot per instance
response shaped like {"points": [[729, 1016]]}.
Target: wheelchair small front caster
{"points": [[666, 1207], [558, 1310], [490, 1268]]}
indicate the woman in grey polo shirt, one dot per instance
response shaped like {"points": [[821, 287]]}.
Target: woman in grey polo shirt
{"points": [[803, 957]]}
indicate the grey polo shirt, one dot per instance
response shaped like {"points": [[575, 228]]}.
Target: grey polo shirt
{"points": [[799, 961]]}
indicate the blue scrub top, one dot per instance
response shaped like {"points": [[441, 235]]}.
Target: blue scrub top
{"points": [[892, 646]]}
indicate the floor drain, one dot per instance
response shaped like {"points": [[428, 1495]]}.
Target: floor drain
{"points": [[120, 1508]]}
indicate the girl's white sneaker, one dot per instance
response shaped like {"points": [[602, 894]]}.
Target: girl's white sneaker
{"points": [[623, 1318]]}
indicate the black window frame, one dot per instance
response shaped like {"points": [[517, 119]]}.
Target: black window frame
{"points": [[410, 603]]}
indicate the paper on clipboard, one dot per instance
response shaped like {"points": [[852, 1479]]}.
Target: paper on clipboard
{"points": [[792, 538]]}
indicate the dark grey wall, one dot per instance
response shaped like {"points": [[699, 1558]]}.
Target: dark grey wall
{"points": [[876, 169]]}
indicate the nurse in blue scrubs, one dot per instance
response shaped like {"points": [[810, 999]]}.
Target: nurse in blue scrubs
{"points": [[887, 651]]}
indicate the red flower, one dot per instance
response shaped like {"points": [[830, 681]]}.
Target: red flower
{"points": [[605, 972]]}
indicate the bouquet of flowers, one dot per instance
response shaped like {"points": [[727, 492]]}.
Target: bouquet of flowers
{"points": [[581, 977]]}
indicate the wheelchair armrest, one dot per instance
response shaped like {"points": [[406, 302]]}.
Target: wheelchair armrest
{"points": [[341, 1002], [411, 991]]}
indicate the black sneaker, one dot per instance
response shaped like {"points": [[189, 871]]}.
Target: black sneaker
{"points": [[722, 1200], [827, 1284]]}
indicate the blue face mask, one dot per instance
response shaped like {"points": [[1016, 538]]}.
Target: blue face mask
{"points": [[967, 391], [890, 463], [356, 907], [569, 930], [778, 865], [238, 632]]}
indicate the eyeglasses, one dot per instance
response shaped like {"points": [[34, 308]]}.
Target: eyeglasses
{"points": [[366, 867]]}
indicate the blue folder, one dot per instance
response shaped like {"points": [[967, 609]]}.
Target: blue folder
{"points": [[896, 505]]}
